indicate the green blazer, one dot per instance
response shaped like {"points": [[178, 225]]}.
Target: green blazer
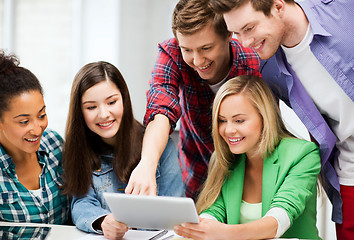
{"points": [[289, 181]]}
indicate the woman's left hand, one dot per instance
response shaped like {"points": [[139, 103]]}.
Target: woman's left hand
{"points": [[205, 229]]}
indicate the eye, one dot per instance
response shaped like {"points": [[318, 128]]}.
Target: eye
{"points": [[112, 102], [248, 29], [91, 107], [239, 121], [43, 116], [206, 48], [221, 120], [24, 122]]}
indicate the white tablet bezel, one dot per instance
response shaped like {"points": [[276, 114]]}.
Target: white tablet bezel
{"points": [[151, 212]]}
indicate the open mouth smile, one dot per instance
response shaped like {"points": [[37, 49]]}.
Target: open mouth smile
{"points": [[32, 140], [235, 140], [258, 46], [105, 124], [205, 68]]}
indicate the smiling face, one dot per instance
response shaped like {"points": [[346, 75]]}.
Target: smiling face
{"points": [[240, 124], [22, 126], [207, 53], [254, 29], [102, 108]]}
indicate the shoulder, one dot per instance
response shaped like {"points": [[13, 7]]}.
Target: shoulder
{"points": [[51, 140], [296, 144], [293, 150], [238, 49], [170, 46], [52, 146]]}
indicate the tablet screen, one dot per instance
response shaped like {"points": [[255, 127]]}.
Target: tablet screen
{"points": [[24, 232], [151, 212]]}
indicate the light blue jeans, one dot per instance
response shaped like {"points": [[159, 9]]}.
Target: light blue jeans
{"points": [[86, 209]]}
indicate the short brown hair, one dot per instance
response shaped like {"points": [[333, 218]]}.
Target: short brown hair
{"points": [[223, 6], [190, 16]]}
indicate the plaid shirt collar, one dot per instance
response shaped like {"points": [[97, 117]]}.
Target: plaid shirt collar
{"points": [[6, 161]]}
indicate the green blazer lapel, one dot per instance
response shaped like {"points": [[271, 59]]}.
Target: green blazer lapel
{"points": [[234, 190], [269, 179]]}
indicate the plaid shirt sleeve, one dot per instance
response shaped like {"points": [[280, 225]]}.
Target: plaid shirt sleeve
{"points": [[162, 97], [246, 60]]}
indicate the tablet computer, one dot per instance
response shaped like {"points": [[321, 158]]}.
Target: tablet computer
{"points": [[151, 212]]}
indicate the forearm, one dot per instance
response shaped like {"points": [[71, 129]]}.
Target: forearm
{"points": [[264, 228], [155, 140], [85, 211]]}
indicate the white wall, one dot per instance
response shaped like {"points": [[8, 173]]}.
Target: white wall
{"points": [[55, 38], [1, 22]]}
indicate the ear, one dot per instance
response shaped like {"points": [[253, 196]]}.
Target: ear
{"points": [[278, 7], [229, 37]]}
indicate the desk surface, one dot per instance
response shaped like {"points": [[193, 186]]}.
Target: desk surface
{"points": [[59, 232]]}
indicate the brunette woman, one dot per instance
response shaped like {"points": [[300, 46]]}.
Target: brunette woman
{"points": [[103, 146]]}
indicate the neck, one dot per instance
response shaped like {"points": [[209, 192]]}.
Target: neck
{"points": [[296, 24], [225, 71], [18, 156], [254, 161]]}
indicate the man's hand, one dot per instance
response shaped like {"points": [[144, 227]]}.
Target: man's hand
{"points": [[142, 181]]}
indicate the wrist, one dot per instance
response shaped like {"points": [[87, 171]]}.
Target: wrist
{"points": [[96, 225]]}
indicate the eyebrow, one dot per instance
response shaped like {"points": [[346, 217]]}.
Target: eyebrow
{"points": [[27, 115], [205, 45], [116, 94], [245, 26], [236, 115]]}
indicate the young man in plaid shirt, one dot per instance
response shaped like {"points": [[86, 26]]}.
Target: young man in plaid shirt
{"points": [[189, 70]]}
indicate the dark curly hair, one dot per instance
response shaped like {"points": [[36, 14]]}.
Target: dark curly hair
{"points": [[14, 80]]}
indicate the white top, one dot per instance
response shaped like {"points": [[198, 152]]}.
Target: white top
{"points": [[216, 86], [331, 101], [250, 212], [37, 193], [255, 210]]}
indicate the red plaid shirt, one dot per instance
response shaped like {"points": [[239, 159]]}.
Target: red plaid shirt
{"points": [[177, 91]]}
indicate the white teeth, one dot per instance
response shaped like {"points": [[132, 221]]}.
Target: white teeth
{"points": [[258, 46], [105, 124], [32, 139], [203, 68], [235, 140]]}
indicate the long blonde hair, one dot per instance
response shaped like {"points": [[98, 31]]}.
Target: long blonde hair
{"points": [[273, 131]]}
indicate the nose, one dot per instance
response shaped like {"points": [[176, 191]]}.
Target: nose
{"points": [[198, 59], [230, 129], [244, 40], [103, 113], [36, 129]]}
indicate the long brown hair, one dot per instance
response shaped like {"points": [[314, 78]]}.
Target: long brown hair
{"points": [[82, 147]]}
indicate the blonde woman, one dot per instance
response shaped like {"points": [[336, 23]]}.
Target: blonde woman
{"points": [[260, 178]]}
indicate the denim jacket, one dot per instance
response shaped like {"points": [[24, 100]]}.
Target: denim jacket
{"points": [[90, 207]]}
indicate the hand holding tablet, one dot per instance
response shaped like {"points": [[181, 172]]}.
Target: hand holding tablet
{"points": [[151, 212]]}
